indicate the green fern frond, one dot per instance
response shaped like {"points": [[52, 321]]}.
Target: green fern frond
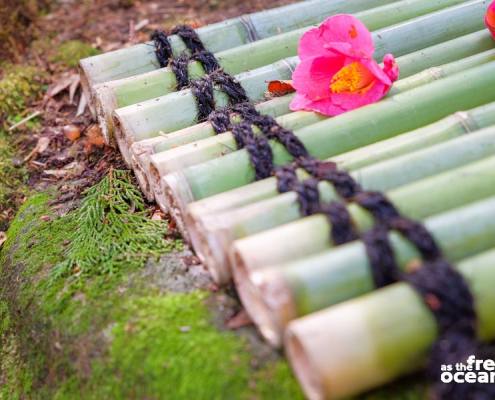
{"points": [[113, 231]]}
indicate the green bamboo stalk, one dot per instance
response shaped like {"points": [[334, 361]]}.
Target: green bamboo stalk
{"points": [[146, 119], [410, 64], [288, 291], [309, 236], [217, 146], [213, 235], [448, 128], [450, 51], [346, 132], [140, 152], [355, 346], [223, 35]]}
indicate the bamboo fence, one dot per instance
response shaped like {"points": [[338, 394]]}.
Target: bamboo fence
{"points": [[429, 146]]}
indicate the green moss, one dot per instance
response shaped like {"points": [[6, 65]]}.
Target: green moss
{"points": [[33, 241], [69, 53], [12, 180], [113, 337], [19, 86], [166, 347]]}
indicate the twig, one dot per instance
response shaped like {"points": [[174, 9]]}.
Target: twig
{"points": [[24, 120]]}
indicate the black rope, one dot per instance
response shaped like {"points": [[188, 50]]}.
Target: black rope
{"points": [[163, 50], [258, 148], [381, 257], [179, 67], [308, 196], [202, 90], [343, 230], [189, 37], [273, 131], [207, 60]]}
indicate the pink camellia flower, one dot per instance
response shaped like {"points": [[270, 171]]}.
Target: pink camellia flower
{"points": [[490, 18], [337, 72]]}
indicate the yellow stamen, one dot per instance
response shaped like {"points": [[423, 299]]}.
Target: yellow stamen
{"points": [[353, 78]]}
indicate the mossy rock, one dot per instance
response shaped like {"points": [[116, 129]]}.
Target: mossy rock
{"points": [[71, 333], [69, 53]]}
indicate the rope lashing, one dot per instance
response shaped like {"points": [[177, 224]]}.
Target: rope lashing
{"points": [[180, 64]]}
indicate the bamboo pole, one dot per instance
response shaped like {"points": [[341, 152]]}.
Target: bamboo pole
{"points": [[212, 235], [143, 120], [282, 293], [350, 348], [246, 254], [140, 152], [223, 35], [194, 153], [370, 124], [121, 93], [447, 52], [450, 127], [253, 81]]}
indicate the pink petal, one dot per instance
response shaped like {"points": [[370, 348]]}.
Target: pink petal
{"points": [[312, 76], [375, 69], [390, 67], [490, 19], [299, 102], [311, 44], [324, 106], [340, 28]]}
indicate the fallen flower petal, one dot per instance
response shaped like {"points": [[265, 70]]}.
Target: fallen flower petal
{"points": [[337, 72]]}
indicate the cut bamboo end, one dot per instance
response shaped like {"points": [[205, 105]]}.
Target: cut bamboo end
{"points": [[105, 102], [305, 370], [329, 352], [124, 145], [211, 244], [176, 195], [267, 300], [140, 154], [87, 87], [154, 179]]}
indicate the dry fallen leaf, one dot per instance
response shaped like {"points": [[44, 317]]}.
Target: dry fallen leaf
{"points": [[158, 215], [239, 320], [73, 88], [95, 136], [3, 238], [72, 132], [67, 81], [41, 146], [280, 88], [83, 102], [74, 168]]}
